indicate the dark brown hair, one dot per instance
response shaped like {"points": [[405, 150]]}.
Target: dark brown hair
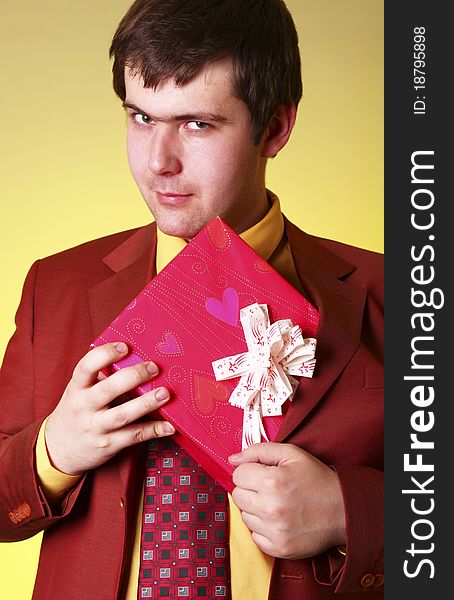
{"points": [[162, 39]]}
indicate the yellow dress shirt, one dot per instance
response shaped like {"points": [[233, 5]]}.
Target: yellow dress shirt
{"points": [[250, 567]]}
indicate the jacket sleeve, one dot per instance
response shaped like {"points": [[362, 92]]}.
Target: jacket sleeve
{"points": [[24, 510], [361, 569]]}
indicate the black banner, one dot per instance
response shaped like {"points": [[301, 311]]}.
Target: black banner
{"points": [[419, 322]]}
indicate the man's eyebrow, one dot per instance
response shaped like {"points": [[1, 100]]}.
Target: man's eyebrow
{"points": [[196, 116]]}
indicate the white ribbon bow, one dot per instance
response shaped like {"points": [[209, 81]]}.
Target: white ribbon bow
{"points": [[276, 352]]}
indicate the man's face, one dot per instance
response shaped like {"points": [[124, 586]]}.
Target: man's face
{"points": [[191, 152]]}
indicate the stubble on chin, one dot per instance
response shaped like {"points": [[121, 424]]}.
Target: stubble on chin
{"points": [[179, 225]]}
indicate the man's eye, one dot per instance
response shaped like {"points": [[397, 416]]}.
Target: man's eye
{"points": [[197, 125], [140, 119]]}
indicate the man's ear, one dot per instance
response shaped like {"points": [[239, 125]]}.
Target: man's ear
{"points": [[278, 131]]}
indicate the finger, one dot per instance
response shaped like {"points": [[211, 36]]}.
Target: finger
{"points": [[245, 500], [122, 381], [255, 523], [140, 432], [86, 371], [101, 376], [264, 543], [267, 453], [132, 410], [251, 476]]}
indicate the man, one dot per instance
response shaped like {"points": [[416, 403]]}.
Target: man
{"points": [[211, 92]]}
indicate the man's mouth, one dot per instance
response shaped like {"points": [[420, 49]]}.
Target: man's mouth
{"points": [[171, 198]]}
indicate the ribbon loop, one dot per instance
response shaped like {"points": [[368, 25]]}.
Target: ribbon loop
{"points": [[276, 353]]}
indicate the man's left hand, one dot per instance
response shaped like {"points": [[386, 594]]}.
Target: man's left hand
{"points": [[290, 500]]}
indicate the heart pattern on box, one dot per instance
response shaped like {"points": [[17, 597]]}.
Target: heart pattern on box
{"points": [[130, 360], [227, 309], [217, 235], [170, 344], [208, 393]]}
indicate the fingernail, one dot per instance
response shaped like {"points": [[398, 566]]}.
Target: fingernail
{"points": [[234, 458], [162, 394], [121, 348], [152, 368], [167, 429], [101, 376]]}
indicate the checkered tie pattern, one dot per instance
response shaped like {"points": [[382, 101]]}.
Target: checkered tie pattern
{"points": [[184, 543]]}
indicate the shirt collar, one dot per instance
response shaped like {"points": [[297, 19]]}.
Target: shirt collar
{"points": [[263, 237]]}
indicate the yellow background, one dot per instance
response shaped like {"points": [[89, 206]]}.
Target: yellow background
{"points": [[64, 176]]}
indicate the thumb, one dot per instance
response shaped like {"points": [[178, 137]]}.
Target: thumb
{"points": [[266, 453]]}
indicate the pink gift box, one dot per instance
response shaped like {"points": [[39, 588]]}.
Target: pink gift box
{"points": [[186, 318]]}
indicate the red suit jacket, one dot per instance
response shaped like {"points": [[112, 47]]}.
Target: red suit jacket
{"points": [[69, 298]]}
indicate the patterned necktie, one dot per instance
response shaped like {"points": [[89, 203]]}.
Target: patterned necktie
{"points": [[184, 544]]}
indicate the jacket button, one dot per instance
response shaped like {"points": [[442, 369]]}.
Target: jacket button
{"points": [[367, 580], [379, 580], [122, 503]]}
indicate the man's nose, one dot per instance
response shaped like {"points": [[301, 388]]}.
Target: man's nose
{"points": [[164, 152]]}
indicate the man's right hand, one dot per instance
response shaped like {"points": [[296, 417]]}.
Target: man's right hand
{"points": [[84, 431]]}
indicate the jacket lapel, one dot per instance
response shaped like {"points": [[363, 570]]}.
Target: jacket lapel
{"points": [[341, 306], [132, 265]]}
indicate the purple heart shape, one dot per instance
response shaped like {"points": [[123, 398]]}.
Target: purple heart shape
{"points": [[169, 345], [227, 309]]}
